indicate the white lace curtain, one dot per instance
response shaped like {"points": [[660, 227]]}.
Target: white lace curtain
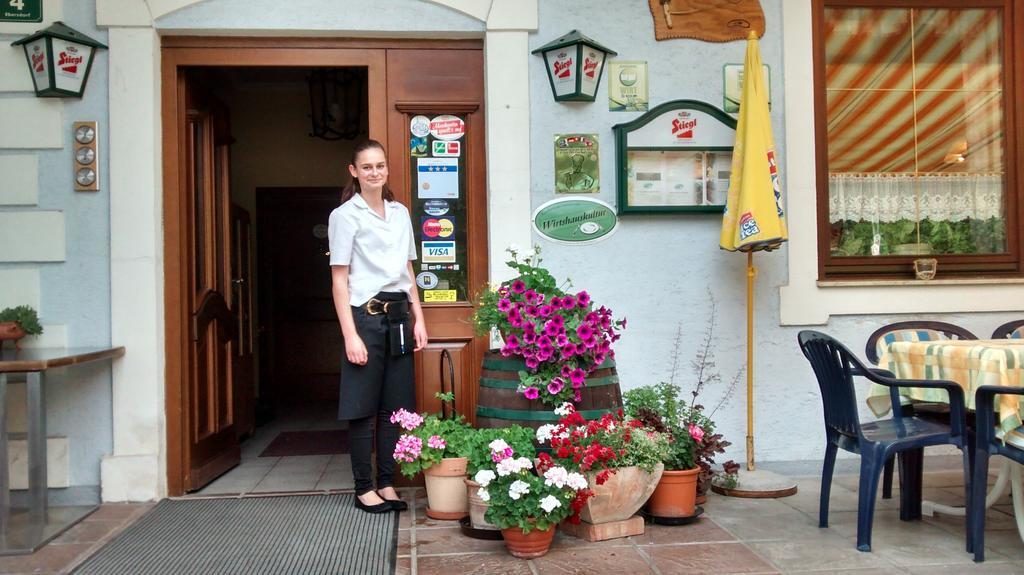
{"points": [[892, 197]]}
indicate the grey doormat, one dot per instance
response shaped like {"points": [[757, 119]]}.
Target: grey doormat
{"points": [[308, 534]]}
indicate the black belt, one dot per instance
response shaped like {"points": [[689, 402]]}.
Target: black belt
{"points": [[395, 305]]}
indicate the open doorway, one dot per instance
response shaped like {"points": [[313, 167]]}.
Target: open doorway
{"points": [[236, 107], [286, 175]]}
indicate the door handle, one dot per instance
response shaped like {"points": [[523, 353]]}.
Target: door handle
{"points": [[238, 282]]}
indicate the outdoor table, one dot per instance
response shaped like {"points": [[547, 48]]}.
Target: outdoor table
{"points": [[970, 363], [25, 529]]}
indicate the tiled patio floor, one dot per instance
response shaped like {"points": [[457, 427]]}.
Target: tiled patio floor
{"points": [[733, 536], [741, 536]]}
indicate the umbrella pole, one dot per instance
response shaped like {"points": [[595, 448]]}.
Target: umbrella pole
{"points": [[751, 272]]}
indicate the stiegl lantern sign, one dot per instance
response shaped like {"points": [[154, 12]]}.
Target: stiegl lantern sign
{"points": [[574, 63], [59, 59]]}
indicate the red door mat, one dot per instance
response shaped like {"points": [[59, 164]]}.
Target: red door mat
{"points": [[312, 442]]}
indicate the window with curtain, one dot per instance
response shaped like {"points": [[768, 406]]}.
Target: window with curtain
{"points": [[914, 112]]}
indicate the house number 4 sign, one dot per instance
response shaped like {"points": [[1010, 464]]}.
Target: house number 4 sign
{"points": [[21, 10]]}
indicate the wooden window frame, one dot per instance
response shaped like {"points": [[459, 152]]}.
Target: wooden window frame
{"points": [[901, 267]]}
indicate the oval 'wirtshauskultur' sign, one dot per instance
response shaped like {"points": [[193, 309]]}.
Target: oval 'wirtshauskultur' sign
{"points": [[575, 220]]}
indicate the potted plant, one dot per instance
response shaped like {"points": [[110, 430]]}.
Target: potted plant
{"points": [[437, 447], [621, 459], [560, 336], [526, 501], [17, 322], [660, 407], [482, 447]]}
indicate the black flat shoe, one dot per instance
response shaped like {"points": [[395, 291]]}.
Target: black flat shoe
{"points": [[397, 504], [384, 507]]}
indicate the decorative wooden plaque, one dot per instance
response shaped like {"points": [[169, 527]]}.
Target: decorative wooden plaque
{"points": [[708, 20]]}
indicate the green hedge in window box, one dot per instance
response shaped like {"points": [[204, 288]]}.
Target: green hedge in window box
{"points": [[25, 316], [945, 237]]}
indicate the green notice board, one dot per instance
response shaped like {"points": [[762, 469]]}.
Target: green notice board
{"points": [[21, 10]]}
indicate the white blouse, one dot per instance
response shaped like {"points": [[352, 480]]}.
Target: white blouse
{"points": [[377, 250]]}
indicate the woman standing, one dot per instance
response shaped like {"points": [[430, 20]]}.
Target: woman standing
{"points": [[372, 248]]}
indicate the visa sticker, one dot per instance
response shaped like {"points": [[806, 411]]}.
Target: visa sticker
{"points": [[438, 252], [440, 295]]}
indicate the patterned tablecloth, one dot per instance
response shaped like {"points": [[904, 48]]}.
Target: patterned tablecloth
{"points": [[970, 363]]}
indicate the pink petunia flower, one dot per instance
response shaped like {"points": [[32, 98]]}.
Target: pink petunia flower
{"points": [[568, 302], [545, 311], [531, 393], [504, 305], [518, 286], [556, 385], [532, 363], [582, 299]]}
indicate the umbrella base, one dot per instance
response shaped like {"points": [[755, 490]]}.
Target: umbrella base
{"points": [[758, 484]]}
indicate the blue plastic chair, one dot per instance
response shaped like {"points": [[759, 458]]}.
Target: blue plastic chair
{"points": [[914, 330], [1011, 329], [835, 367], [986, 445]]}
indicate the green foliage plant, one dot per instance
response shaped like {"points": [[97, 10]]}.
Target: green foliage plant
{"points": [[25, 316], [478, 451]]}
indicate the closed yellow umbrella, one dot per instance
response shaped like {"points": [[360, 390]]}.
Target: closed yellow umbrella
{"points": [[754, 219]]}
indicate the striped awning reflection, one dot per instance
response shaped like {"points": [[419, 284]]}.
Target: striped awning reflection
{"points": [[914, 90]]}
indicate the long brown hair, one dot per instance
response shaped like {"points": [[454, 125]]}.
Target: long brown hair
{"points": [[353, 186]]}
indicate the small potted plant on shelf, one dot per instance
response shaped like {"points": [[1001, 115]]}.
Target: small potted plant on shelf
{"points": [[560, 336], [528, 501], [483, 446], [621, 459], [17, 322], [437, 447]]}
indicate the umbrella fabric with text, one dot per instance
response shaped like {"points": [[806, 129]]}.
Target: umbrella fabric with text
{"points": [[754, 221]]}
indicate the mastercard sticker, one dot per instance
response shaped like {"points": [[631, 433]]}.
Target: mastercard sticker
{"points": [[441, 227]]}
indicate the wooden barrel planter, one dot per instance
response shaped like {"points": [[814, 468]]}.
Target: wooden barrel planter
{"points": [[500, 405]]}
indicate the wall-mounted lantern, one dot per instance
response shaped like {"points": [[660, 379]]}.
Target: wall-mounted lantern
{"points": [[574, 64], [59, 59]]}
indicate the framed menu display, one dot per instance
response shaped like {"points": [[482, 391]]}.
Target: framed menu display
{"points": [[675, 158]]}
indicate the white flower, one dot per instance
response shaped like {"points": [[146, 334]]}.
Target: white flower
{"points": [[523, 463], [498, 445], [564, 409], [544, 432], [507, 467], [518, 489], [549, 503], [483, 494], [556, 476], [576, 481], [484, 477], [513, 249]]}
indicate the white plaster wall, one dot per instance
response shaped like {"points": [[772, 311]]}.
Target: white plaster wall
{"points": [[66, 281], [391, 18], [657, 270]]}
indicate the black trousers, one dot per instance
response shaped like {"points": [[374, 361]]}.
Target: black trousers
{"points": [[370, 393]]}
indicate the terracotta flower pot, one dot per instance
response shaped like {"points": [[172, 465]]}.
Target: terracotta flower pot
{"points": [[621, 496], [478, 508], [528, 545], [11, 330], [675, 495], [446, 491]]}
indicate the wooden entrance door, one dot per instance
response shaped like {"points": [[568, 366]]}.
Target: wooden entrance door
{"points": [[212, 440], [431, 84], [405, 78]]}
